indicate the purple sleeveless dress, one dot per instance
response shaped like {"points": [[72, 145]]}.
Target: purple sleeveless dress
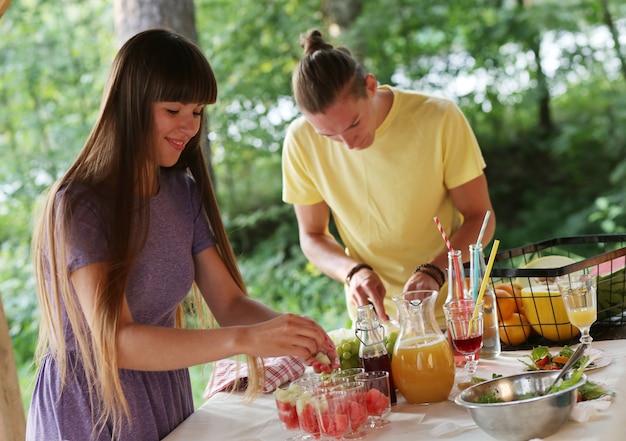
{"points": [[159, 401]]}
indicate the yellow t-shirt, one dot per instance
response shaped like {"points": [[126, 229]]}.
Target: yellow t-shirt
{"points": [[383, 199]]}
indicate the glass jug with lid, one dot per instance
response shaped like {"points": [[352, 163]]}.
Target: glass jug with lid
{"points": [[422, 363]]}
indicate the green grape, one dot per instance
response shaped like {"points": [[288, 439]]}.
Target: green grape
{"points": [[347, 345]]}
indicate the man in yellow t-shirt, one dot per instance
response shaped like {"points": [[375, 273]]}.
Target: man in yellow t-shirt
{"points": [[384, 161]]}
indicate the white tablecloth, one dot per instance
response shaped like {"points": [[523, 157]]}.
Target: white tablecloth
{"points": [[225, 417]]}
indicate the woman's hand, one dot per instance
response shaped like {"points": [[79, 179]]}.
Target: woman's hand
{"points": [[291, 334]]}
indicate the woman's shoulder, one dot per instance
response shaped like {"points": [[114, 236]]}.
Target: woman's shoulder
{"points": [[177, 184], [81, 198]]}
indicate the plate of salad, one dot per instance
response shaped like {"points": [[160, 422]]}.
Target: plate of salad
{"points": [[540, 358]]}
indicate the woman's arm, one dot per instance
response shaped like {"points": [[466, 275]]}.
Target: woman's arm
{"points": [[248, 327], [265, 332]]}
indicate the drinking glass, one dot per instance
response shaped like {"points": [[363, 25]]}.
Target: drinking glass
{"points": [[464, 320], [579, 297], [377, 397], [286, 397], [348, 374], [295, 410], [307, 415], [332, 413], [356, 406]]}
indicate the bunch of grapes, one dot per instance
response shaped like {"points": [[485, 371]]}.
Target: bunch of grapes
{"points": [[347, 345]]}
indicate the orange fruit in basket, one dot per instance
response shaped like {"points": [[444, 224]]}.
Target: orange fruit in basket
{"points": [[507, 305], [513, 288], [515, 330]]}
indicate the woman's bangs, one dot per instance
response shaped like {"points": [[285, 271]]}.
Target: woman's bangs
{"points": [[186, 77]]}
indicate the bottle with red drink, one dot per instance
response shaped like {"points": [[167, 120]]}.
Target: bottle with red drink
{"points": [[372, 350]]}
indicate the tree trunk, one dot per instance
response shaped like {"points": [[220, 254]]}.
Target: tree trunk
{"points": [[340, 14], [610, 23], [343, 12], [12, 420], [533, 42], [545, 114], [134, 16], [4, 4]]}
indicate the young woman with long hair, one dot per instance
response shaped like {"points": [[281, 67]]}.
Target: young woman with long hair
{"points": [[124, 237]]}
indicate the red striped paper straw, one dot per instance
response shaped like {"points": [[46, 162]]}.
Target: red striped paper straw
{"points": [[456, 269], [443, 234]]}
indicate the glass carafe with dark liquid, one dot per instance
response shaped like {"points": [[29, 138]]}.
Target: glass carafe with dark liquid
{"points": [[372, 350]]}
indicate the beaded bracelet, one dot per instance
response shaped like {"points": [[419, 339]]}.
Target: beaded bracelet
{"points": [[355, 269], [428, 268]]}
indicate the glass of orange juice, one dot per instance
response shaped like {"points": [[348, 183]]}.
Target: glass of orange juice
{"points": [[578, 292]]}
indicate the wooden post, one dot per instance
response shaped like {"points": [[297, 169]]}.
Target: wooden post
{"points": [[12, 419], [4, 4]]}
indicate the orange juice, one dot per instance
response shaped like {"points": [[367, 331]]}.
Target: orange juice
{"points": [[423, 368], [581, 317]]}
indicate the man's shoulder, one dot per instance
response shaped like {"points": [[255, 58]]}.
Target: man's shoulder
{"points": [[416, 98], [300, 131], [299, 124]]}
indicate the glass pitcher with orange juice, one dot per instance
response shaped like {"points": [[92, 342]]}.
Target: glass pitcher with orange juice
{"points": [[422, 363]]}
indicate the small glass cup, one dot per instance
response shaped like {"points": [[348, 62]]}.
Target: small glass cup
{"points": [[332, 414], [285, 398], [296, 397], [356, 403], [377, 397], [348, 374], [307, 414]]}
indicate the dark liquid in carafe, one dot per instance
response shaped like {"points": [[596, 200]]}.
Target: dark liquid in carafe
{"points": [[381, 363]]}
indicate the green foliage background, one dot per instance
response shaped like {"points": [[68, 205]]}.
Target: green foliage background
{"points": [[553, 172]]}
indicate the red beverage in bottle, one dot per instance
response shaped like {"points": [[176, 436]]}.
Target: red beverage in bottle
{"points": [[468, 345], [381, 363]]}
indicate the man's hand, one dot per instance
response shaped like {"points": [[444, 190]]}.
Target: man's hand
{"points": [[366, 287]]}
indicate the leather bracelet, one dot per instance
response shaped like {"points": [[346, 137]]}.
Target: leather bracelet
{"points": [[355, 269], [433, 271]]}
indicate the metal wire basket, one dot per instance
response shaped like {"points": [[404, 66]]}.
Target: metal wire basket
{"points": [[540, 314]]}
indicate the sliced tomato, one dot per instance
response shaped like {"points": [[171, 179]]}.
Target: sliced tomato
{"points": [[543, 361]]}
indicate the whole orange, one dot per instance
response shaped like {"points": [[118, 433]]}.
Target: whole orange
{"points": [[513, 288], [507, 305], [514, 330]]}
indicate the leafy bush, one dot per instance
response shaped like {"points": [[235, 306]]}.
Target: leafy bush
{"points": [[278, 274]]}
